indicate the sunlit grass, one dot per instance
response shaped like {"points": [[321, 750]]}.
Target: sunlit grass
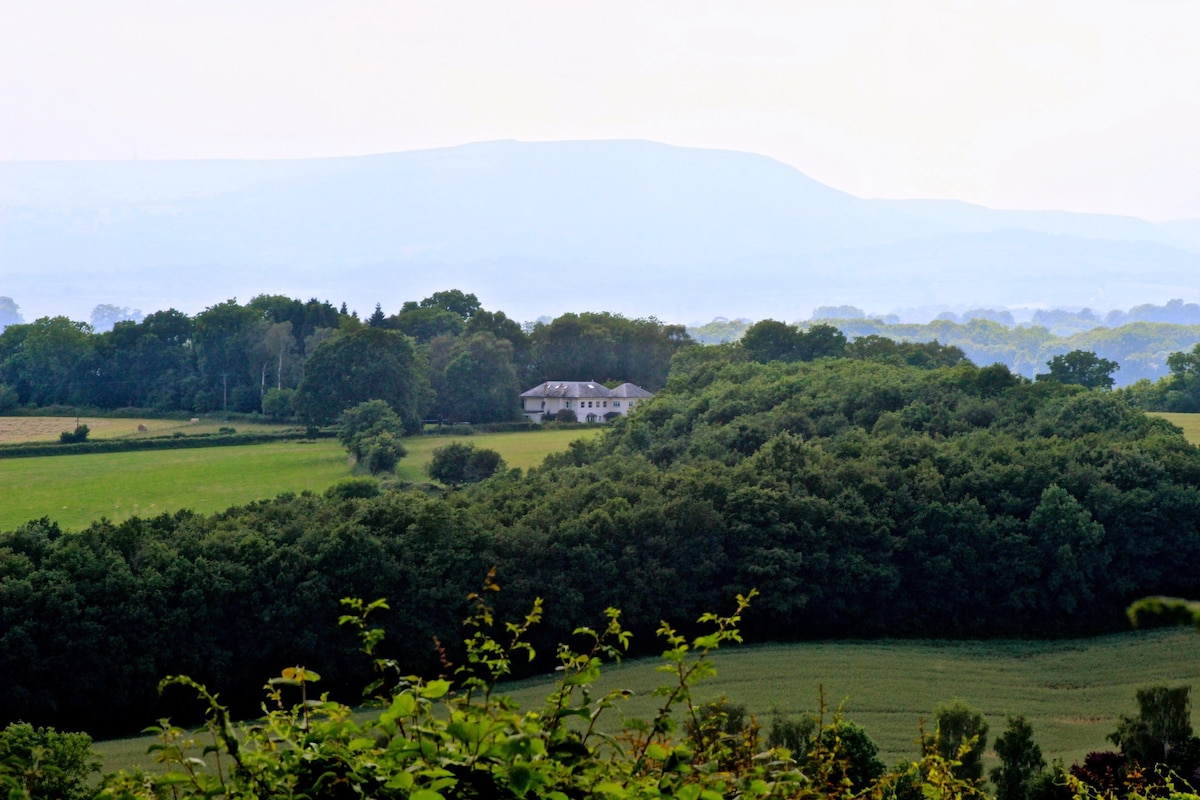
{"points": [[1190, 423], [75, 490], [47, 429]]}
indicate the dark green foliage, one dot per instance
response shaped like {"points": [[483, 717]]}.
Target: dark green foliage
{"points": [[855, 757], [605, 348], [371, 433], [47, 763], [1051, 784], [279, 404], [794, 734], [1081, 368], [861, 498], [80, 434], [360, 365], [961, 735], [459, 463], [770, 340], [1021, 762], [479, 382], [383, 453], [359, 424], [352, 488], [8, 398], [1161, 733]]}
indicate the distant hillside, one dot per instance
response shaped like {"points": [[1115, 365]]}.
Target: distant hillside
{"points": [[539, 228]]}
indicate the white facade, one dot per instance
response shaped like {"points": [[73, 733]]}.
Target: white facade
{"points": [[591, 401]]}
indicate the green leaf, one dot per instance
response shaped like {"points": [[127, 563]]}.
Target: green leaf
{"points": [[426, 794], [435, 689], [403, 780], [612, 789], [520, 778], [403, 705]]}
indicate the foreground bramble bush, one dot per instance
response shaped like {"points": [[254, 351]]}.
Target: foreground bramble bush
{"points": [[454, 737]]}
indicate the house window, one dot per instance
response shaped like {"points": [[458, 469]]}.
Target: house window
{"points": [[606, 404], [616, 403]]}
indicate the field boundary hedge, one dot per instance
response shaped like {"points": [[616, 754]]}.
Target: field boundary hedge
{"points": [[26, 450]]}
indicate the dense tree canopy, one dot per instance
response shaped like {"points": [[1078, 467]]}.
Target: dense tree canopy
{"points": [[1081, 368], [360, 365], [859, 497]]}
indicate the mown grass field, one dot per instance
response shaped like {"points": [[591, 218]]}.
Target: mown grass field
{"points": [[1190, 423], [47, 429], [524, 450], [76, 490], [1072, 692]]}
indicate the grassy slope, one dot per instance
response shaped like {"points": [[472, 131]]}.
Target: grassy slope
{"points": [[1072, 692], [75, 490]]}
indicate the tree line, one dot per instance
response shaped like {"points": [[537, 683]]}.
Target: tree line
{"points": [[1140, 340], [444, 356], [861, 495]]}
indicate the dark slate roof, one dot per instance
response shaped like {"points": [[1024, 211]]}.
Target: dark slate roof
{"points": [[584, 389], [630, 390]]}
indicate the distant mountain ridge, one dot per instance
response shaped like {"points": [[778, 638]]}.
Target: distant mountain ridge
{"points": [[540, 228]]}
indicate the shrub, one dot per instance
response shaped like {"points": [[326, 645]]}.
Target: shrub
{"points": [[458, 463], [961, 735], [80, 435], [46, 763], [566, 415], [1021, 761], [353, 488], [279, 403], [454, 738], [384, 451], [361, 427]]}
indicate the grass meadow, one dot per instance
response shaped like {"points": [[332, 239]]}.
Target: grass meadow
{"points": [[1190, 423], [75, 490], [1071, 691], [15, 430], [524, 449]]}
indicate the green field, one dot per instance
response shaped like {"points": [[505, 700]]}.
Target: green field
{"points": [[1072, 692], [47, 429], [524, 450], [78, 489], [1190, 423]]}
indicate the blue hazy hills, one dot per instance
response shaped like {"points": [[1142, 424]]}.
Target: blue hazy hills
{"points": [[541, 228]]}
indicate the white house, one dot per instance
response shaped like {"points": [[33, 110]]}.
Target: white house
{"points": [[591, 401]]}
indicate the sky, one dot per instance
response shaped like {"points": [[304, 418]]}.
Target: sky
{"points": [[1080, 105]]}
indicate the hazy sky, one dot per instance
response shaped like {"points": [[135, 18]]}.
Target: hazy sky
{"points": [[1086, 105]]}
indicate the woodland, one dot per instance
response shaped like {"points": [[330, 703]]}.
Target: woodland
{"points": [[853, 487]]}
